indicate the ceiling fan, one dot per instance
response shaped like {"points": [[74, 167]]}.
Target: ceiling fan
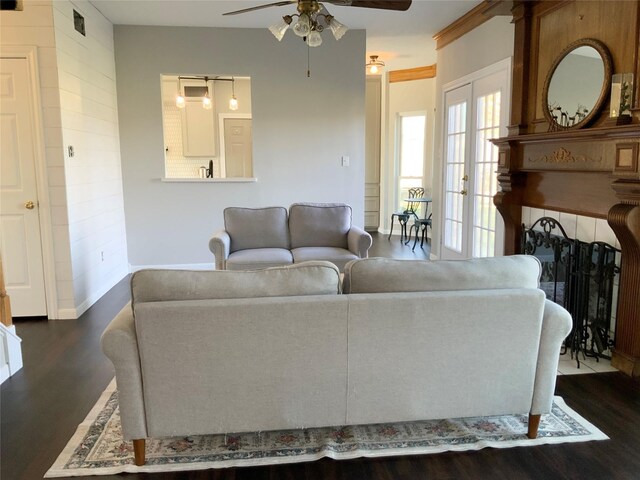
{"points": [[401, 5], [313, 17]]}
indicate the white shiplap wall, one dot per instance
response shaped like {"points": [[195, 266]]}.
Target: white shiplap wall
{"points": [[89, 123], [34, 26]]}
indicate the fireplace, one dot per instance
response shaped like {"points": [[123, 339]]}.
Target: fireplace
{"points": [[581, 277], [591, 169]]}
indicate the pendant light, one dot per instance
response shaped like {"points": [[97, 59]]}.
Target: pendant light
{"points": [[180, 101], [207, 104], [233, 101]]}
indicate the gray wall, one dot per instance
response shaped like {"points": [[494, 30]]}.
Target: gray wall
{"points": [[301, 128], [485, 45]]}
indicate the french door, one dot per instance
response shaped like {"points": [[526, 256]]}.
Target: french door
{"points": [[475, 112]]}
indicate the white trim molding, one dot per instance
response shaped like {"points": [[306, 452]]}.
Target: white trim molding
{"points": [[208, 180]]}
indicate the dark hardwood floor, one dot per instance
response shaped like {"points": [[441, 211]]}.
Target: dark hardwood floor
{"points": [[65, 372]]}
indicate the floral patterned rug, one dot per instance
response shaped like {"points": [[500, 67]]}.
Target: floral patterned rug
{"points": [[97, 447]]}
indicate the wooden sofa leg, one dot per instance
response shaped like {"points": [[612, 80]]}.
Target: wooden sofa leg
{"points": [[534, 423], [138, 452]]}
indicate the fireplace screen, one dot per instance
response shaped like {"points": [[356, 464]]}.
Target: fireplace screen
{"points": [[579, 276]]}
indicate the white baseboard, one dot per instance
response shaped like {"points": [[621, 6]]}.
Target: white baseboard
{"points": [[177, 266], [433, 257], [65, 314], [74, 313]]}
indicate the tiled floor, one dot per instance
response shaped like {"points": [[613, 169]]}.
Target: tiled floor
{"points": [[568, 365]]}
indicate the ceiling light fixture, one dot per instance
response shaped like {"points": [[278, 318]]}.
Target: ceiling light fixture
{"points": [[207, 101], [207, 104], [313, 18], [180, 101], [233, 101], [374, 65]]}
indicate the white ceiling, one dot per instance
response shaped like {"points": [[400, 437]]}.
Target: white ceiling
{"points": [[388, 31]]}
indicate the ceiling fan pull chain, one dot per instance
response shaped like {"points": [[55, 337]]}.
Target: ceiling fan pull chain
{"points": [[308, 61]]}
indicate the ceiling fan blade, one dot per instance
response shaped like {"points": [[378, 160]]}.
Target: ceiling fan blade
{"points": [[400, 5], [260, 7]]}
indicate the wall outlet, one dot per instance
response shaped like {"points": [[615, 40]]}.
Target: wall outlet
{"points": [[70, 150], [345, 161], [102, 256]]}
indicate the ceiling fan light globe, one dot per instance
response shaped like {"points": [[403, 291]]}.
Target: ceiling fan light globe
{"points": [[338, 29], [180, 101], [279, 29], [314, 39], [302, 28]]}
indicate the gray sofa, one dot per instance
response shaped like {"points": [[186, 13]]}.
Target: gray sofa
{"points": [[255, 238], [201, 352]]}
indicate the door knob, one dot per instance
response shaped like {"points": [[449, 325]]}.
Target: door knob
{"points": [[29, 205], [463, 192]]}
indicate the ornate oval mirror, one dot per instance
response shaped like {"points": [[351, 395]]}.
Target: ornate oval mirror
{"points": [[577, 84]]}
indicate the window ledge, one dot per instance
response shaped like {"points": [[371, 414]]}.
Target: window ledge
{"points": [[208, 180]]}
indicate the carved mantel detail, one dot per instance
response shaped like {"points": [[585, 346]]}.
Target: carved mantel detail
{"points": [[562, 155]]}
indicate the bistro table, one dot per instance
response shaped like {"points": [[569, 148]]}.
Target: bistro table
{"points": [[420, 222]]}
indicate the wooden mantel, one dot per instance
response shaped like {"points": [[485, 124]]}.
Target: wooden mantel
{"points": [[593, 171]]}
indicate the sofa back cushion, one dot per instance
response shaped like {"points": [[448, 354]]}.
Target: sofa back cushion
{"points": [[376, 275], [319, 224], [256, 227], [306, 278]]}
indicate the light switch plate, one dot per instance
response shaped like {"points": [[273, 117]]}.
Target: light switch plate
{"points": [[345, 161]]}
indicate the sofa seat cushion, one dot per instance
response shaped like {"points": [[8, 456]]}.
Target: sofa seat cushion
{"points": [[378, 275], [337, 256], [309, 278], [256, 227], [319, 224], [257, 258]]}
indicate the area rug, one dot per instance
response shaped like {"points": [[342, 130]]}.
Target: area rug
{"points": [[97, 447]]}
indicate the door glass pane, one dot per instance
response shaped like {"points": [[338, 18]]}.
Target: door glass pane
{"points": [[456, 138], [486, 164]]}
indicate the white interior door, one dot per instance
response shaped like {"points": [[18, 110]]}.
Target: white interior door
{"points": [[238, 148], [474, 114], [20, 241]]}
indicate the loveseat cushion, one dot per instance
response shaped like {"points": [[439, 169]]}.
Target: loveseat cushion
{"points": [[377, 275], [310, 278], [257, 258], [256, 227], [338, 256], [319, 224]]}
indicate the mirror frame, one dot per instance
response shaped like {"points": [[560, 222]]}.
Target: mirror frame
{"points": [[602, 49]]}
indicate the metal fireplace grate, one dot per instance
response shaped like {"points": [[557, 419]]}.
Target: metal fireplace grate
{"points": [[580, 276]]}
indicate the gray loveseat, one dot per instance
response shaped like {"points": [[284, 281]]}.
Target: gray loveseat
{"points": [[202, 352], [255, 238]]}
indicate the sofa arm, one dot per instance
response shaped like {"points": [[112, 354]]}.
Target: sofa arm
{"points": [[219, 245], [120, 344], [556, 325], [359, 242]]}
